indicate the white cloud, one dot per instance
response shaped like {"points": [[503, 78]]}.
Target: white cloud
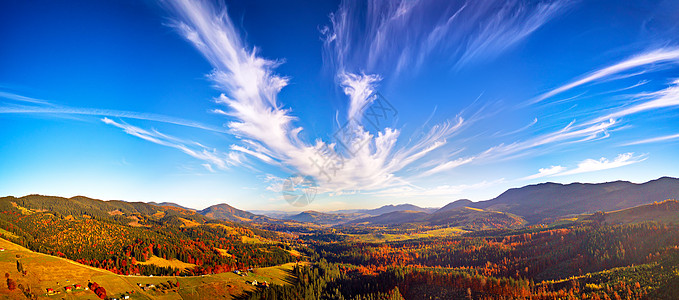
{"points": [[446, 190], [645, 59], [667, 97], [568, 135], [654, 140], [211, 156], [45, 107], [590, 165], [208, 167], [266, 130], [544, 172], [250, 89], [393, 36], [447, 166]]}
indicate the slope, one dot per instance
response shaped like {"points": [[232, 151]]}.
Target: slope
{"points": [[536, 203], [229, 213], [45, 271]]}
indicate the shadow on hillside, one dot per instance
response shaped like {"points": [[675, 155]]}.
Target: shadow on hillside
{"points": [[289, 278]]}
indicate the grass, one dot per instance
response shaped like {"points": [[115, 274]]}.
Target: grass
{"points": [[255, 240], [7, 233], [23, 210], [188, 223], [393, 237], [294, 252], [223, 252], [45, 271], [161, 262], [472, 208]]}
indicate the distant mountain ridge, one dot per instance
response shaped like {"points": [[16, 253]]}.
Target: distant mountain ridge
{"points": [[465, 217], [547, 201], [229, 213], [664, 212], [171, 204], [535, 203], [385, 209], [394, 208], [316, 217]]}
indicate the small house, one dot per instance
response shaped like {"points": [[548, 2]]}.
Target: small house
{"points": [[78, 287], [68, 288], [236, 272], [50, 291], [254, 282]]}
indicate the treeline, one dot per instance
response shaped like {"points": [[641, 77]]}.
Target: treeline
{"points": [[544, 254], [335, 281]]}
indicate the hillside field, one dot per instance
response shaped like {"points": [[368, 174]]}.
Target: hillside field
{"points": [[46, 271]]}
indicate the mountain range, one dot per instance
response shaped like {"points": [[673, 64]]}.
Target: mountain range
{"points": [[547, 201], [544, 202]]}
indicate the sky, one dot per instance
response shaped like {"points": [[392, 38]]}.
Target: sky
{"points": [[354, 104]]}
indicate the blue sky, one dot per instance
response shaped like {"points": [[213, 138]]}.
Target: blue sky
{"points": [[199, 102]]}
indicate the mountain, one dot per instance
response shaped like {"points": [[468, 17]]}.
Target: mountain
{"points": [[547, 201], [171, 204], [394, 218], [456, 204], [276, 214], [394, 208], [664, 212], [229, 213], [474, 218], [112, 209], [465, 217], [316, 217], [143, 238], [385, 209]]}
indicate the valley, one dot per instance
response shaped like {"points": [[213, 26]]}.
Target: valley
{"points": [[482, 250]]}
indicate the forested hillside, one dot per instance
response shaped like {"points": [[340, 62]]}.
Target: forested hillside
{"points": [[117, 236]]}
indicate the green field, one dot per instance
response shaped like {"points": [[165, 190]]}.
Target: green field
{"points": [[45, 271], [394, 237]]}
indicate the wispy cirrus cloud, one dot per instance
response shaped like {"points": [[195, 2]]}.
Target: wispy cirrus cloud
{"points": [[590, 165], [649, 59], [39, 106], [667, 97], [196, 150], [389, 36], [654, 140], [266, 129], [570, 134], [544, 172], [445, 190]]}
